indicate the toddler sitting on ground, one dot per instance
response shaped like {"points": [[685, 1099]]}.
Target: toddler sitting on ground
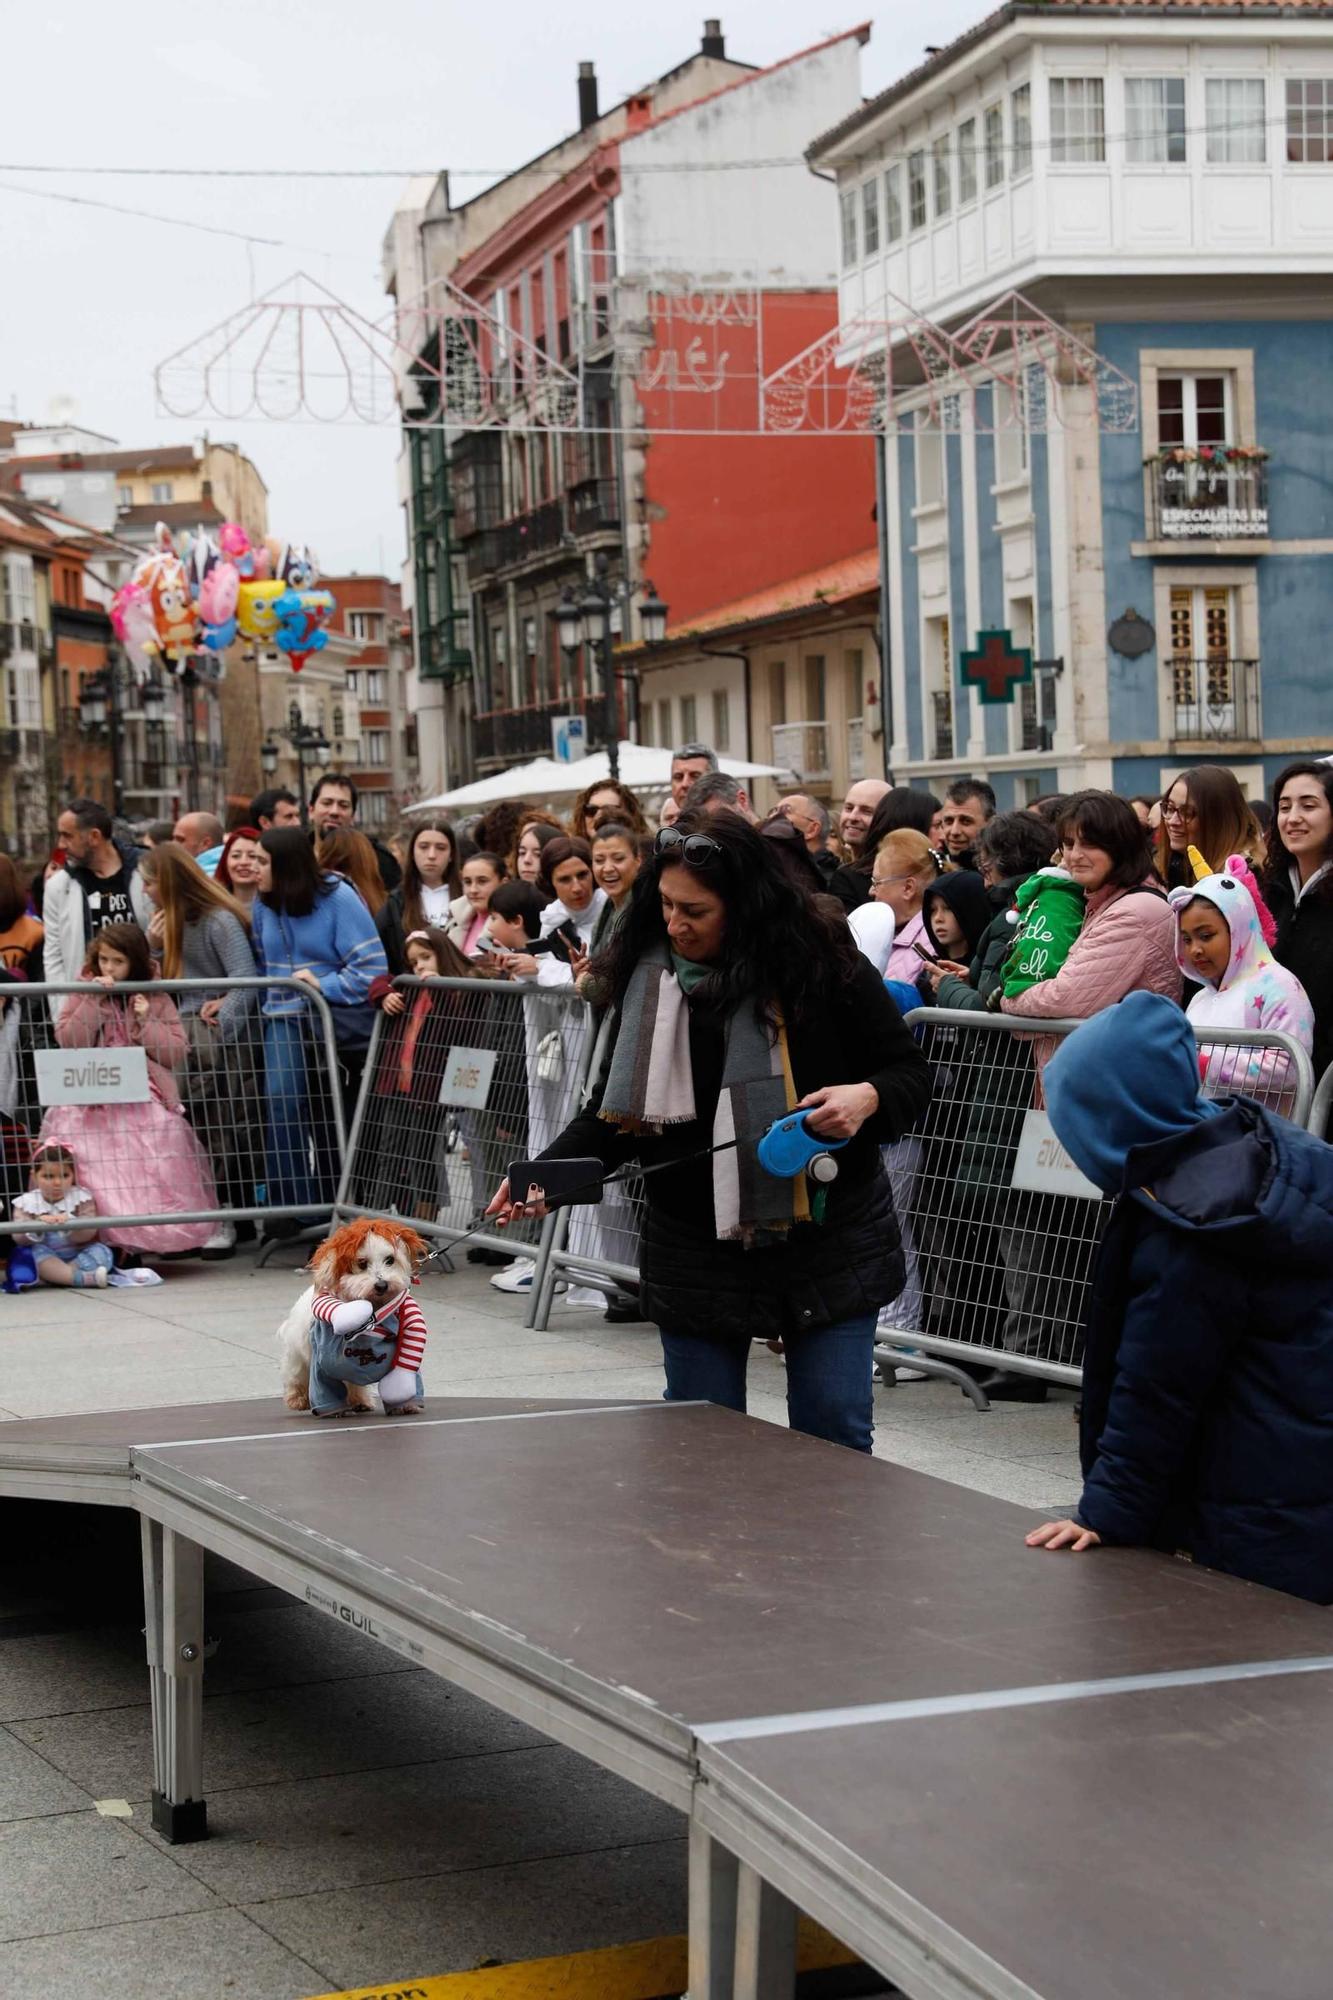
{"points": [[65, 1256]]}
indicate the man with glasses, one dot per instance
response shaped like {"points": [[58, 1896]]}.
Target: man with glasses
{"points": [[811, 821]]}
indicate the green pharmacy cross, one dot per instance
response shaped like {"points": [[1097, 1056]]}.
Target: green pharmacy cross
{"points": [[997, 666]]}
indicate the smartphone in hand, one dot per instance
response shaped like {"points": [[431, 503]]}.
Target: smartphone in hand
{"points": [[931, 957]]}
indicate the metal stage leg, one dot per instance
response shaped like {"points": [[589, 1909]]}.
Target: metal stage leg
{"points": [[712, 1960], [173, 1591], [765, 1940]]}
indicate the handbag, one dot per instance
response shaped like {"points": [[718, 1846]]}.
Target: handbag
{"points": [[550, 1064]]}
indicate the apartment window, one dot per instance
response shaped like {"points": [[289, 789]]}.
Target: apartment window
{"points": [[353, 680], [20, 602], [368, 626], [939, 160], [1194, 410], [777, 690], [870, 217], [1310, 120], [893, 204], [854, 692], [916, 190], [1201, 663], [1020, 127], [375, 748], [162, 492], [721, 719], [929, 464], [939, 667], [373, 809], [848, 208], [124, 496], [994, 129], [689, 721], [814, 687], [967, 162], [664, 737], [1233, 109], [1155, 120], [377, 687], [1011, 433], [25, 697], [1078, 120]]}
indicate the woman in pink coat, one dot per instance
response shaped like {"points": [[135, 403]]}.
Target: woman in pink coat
{"points": [[135, 1159], [1127, 944]]}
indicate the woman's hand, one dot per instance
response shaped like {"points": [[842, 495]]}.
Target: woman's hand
{"points": [[839, 1110], [209, 1012], [1063, 1535], [139, 1006], [394, 1002], [945, 968], [307, 977], [504, 1210], [157, 929], [578, 961]]}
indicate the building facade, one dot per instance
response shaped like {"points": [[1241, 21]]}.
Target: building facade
{"points": [[384, 763], [1159, 180], [563, 261]]}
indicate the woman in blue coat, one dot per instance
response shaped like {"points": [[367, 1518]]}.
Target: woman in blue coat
{"points": [[1207, 1425]]}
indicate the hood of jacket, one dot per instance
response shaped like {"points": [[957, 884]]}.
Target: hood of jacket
{"points": [[1232, 900], [874, 928], [84, 875], [964, 894], [1126, 1079]]}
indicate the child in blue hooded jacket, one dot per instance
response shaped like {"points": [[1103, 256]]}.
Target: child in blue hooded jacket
{"points": [[1207, 1424]]}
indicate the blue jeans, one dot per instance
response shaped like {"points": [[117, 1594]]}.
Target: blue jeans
{"points": [[301, 1162], [830, 1377], [85, 1257]]}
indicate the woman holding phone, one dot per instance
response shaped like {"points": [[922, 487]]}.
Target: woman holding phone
{"points": [[739, 1000]]}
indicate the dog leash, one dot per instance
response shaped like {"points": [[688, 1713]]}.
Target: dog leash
{"points": [[615, 1178]]}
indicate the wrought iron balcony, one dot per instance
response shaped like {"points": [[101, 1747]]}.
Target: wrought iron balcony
{"points": [[506, 735], [516, 541], [1215, 700], [941, 715], [802, 747], [1220, 498]]}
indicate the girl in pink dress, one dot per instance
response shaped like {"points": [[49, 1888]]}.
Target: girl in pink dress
{"points": [[135, 1159]]}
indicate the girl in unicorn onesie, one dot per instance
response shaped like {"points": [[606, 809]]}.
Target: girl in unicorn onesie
{"points": [[1224, 938]]}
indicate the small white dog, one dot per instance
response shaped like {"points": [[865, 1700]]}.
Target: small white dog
{"points": [[367, 1266]]}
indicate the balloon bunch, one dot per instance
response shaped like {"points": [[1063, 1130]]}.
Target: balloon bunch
{"points": [[181, 603]]}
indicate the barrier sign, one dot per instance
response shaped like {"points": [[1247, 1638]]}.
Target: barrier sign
{"points": [[1042, 1166], [91, 1076], [467, 1077]]}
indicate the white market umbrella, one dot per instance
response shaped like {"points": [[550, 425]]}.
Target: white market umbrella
{"points": [[642, 768]]}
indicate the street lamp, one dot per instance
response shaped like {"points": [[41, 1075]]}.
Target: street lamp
{"points": [[101, 706], [307, 740], [587, 622]]}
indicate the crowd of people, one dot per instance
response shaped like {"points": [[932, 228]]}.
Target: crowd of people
{"points": [[732, 968]]}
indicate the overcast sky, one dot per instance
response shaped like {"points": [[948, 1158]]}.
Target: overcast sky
{"points": [[90, 301]]}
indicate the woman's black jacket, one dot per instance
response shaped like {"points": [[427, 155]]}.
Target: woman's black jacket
{"points": [[1305, 946], [817, 1274]]}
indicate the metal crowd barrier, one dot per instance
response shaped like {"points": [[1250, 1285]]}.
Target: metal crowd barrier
{"points": [[178, 1125], [1322, 1108], [487, 1072], [1000, 1229]]}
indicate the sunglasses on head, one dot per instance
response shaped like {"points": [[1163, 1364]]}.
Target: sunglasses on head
{"points": [[696, 850]]}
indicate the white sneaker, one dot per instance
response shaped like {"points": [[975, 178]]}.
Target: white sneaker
{"points": [[516, 1277], [583, 1298], [221, 1243]]}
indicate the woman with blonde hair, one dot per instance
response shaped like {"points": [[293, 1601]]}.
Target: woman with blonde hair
{"points": [[199, 931], [348, 853], [1205, 808]]}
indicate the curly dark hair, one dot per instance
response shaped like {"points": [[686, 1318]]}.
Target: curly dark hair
{"points": [[1018, 843], [782, 950]]}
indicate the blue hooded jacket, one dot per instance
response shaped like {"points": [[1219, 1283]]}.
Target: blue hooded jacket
{"points": [[1207, 1424]]}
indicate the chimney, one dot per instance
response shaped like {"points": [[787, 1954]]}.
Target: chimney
{"points": [[714, 42], [587, 96]]}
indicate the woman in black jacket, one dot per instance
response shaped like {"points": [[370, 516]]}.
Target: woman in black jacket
{"points": [[1298, 888], [740, 1000]]}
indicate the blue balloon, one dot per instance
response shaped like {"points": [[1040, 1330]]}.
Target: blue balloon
{"points": [[218, 637]]}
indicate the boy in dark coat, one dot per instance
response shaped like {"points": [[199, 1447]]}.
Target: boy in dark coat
{"points": [[1207, 1423]]}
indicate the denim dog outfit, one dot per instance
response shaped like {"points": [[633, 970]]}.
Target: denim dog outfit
{"points": [[394, 1338]]}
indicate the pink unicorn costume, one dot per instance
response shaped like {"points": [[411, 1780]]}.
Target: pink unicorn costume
{"points": [[1254, 992], [135, 1159]]}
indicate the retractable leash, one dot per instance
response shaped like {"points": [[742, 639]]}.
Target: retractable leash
{"points": [[787, 1148]]}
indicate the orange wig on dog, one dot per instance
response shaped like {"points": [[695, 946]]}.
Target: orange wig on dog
{"points": [[337, 1254]]}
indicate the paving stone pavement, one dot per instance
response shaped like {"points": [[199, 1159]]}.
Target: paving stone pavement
{"points": [[371, 1825]]}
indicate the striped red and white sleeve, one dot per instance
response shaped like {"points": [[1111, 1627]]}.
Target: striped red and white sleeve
{"points": [[323, 1306], [411, 1336]]}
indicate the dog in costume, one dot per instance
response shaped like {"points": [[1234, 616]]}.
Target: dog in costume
{"points": [[357, 1331]]}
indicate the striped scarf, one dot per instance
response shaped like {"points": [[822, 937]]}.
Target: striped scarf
{"points": [[651, 1086]]}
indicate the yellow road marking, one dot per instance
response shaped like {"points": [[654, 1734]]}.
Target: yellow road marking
{"points": [[646, 1971]]}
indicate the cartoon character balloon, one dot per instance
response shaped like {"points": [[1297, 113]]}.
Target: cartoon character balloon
{"points": [[218, 596], [133, 624], [176, 624], [302, 616], [254, 607]]}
